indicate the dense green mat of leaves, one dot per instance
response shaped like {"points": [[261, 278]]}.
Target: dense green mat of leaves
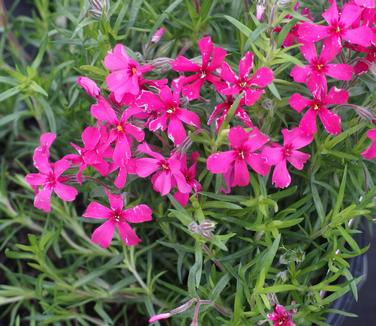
{"points": [[294, 244]]}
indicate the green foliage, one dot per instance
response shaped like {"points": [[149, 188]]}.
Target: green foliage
{"points": [[294, 244]]}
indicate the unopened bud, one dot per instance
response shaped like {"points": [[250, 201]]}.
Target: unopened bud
{"points": [[99, 7], [157, 35], [205, 228], [260, 9], [268, 104]]}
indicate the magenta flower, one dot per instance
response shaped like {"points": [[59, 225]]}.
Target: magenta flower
{"points": [[89, 86], [124, 73], [211, 59], [365, 3], [118, 218], [166, 172], [370, 152], [314, 73], [233, 163], [278, 155], [190, 178], [319, 106], [252, 86], [168, 113], [281, 317], [96, 148], [339, 27], [49, 179], [220, 112], [120, 131], [125, 168]]}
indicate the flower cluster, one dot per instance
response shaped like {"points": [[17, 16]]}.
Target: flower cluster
{"points": [[134, 112]]}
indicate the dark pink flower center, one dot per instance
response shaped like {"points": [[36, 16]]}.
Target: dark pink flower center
{"points": [[287, 150], [132, 70], [165, 166], [203, 73], [337, 28], [241, 153], [282, 320], [242, 83], [51, 180], [119, 128], [117, 216]]}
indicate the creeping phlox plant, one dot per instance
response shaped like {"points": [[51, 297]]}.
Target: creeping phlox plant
{"points": [[147, 127]]}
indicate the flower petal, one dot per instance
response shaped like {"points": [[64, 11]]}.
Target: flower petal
{"points": [[340, 71], [298, 159], [237, 136], [281, 177], [299, 74], [220, 162], [258, 164], [227, 73], [241, 174], [336, 96], [127, 234], [206, 47], [116, 201], [308, 122], [182, 64], [103, 235], [330, 120], [272, 154], [42, 199], [312, 33], [246, 65], [162, 182], [65, 192], [146, 166], [350, 13], [263, 77], [60, 167], [298, 102], [36, 179], [362, 35], [188, 117], [103, 111], [176, 131], [96, 210], [138, 214]]}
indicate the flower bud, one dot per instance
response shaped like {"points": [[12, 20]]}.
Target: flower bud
{"points": [[260, 9], [99, 7], [157, 35]]}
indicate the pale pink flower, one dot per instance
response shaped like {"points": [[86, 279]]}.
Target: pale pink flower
{"points": [[166, 172], [278, 155], [233, 163], [117, 217], [158, 35]]}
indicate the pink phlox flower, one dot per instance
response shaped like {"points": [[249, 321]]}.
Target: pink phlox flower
{"points": [[96, 148], [252, 85], [190, 177], [220, 112], [89, 86], [278, 156], [370, 152], [339, 27], [211, 59], [120, 132], [125, 72], [117, 217], [319, 106], [320, 66], [281, 317], [168, 113], [166, 172], [233, 163], [49, 179], [365, 3]]}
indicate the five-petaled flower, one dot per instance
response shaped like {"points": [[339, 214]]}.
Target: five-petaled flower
{"points": [[319, 106], [320, 66], [211, 59], [117, 217], [49, 179], [168, 113], [252, 86], [233, 163], [166, 172], [278, 156]]}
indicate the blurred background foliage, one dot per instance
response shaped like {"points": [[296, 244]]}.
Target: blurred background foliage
{"points": [[267, 242]]}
